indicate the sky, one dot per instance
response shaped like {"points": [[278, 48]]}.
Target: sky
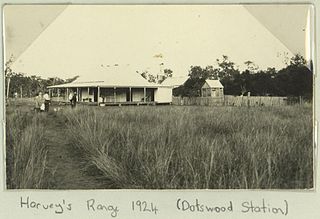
{"points": [[64, 41]]}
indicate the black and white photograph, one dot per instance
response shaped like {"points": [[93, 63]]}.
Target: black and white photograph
{"points": [[159, 97]]}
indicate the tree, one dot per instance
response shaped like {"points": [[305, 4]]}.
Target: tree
{"points": [[167, 74], [54, 81], [209, 72], [29, 85], [226, 72], [192, 87], [196, 72], [226, 68], [262, 84], [294, 80], [271, 71], [8, 74], [18, 83], [154, 78], [69, 80], [143, 74], [298, 60], [149, 77], [251, 67]]}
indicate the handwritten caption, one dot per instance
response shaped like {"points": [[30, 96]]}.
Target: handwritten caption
{"points": [[189, 206], [229, 207]]}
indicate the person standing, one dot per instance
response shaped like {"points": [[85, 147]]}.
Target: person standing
{"points": [[47, 100], [39, 101], [71, 98], [74, 100]]}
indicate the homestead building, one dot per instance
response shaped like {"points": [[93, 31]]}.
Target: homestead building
{"points": [[115, 85]]}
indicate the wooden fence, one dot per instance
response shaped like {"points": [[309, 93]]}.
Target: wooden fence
{"points": [[226, 100], [229, 100]]}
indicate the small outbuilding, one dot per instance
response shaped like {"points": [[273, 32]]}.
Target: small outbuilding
{"points": [[212, 88]]}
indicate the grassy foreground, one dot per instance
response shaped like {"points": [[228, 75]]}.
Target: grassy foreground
{"points": [[185, 147], [197, 147], [26, 151]]}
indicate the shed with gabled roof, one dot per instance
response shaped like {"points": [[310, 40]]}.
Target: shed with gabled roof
{"points": [[212, 88]]}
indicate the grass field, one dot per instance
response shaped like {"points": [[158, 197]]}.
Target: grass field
{"points": [[161, 147]]}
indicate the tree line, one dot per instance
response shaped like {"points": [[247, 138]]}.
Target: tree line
{"points": [[28, 86], [295, 79]]}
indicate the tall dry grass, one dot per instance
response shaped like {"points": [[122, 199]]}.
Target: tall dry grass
{"points": [[195, 147], [26, 150]]}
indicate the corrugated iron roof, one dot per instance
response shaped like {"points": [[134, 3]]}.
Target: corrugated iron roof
{"points": [[214, 83], [112, 76], [175, 81]]}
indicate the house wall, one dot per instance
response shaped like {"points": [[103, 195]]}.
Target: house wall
{"points": [[216, 92], [107, 95], [85, 96], [137, 95], [206, 90], [121, 96], [110, 95], [206, 85], [163, 95], [160, 95]]}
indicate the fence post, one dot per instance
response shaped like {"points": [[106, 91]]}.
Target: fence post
{"points": [[260, 101], [300, 100], [248, 99]]}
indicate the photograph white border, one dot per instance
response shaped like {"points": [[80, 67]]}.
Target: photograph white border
{"points": [[301, 203]]}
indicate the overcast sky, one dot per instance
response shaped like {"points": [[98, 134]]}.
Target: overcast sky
{"points": [[65, 41]]}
